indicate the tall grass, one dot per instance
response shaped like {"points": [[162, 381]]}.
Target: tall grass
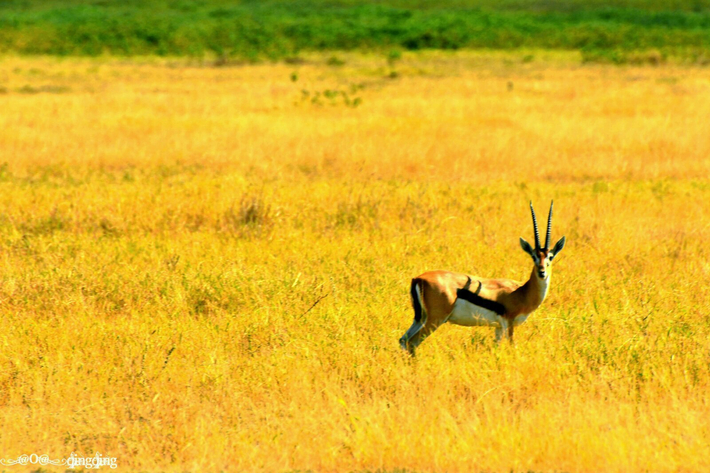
{"points": [[201, 271]]}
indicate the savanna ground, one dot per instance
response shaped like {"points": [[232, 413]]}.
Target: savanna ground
{"points": [[207, 269]]}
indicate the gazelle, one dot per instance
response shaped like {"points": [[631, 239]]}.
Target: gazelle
{"points": [[442, 296]]}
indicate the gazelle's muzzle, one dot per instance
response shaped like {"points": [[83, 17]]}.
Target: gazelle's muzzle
{"points": [[541, 272]]}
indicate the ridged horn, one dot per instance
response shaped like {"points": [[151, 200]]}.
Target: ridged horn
{"points": [[537, 233], [549, 228]]}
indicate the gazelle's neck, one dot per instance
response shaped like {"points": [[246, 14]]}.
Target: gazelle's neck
{"points": [[536, 288]]}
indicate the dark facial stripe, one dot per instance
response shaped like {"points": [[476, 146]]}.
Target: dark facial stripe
{"points": [[469, 296]]}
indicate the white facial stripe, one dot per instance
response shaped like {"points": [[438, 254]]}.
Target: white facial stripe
{"points": [[544, 284]]}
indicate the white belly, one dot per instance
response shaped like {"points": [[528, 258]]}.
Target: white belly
{"points": [[520, 319], [471, 315]]}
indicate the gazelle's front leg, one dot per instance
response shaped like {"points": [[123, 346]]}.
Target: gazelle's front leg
{"points": [[504, 329]]}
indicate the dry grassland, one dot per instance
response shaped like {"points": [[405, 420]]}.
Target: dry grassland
{"points": [[206, 269]]}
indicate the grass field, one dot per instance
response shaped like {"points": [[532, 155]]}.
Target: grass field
{"points": [[207, 269]]}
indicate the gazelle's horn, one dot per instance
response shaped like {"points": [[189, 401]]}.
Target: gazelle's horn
{"points": [[537, 234], [549, 228]]}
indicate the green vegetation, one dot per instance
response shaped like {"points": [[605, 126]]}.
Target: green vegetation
{"points": [[251, 30]]}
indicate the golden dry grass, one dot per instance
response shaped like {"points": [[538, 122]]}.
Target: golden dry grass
{"points": [[204, 270]]}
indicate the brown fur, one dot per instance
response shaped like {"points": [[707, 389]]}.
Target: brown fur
{"points": [[438, 290]]}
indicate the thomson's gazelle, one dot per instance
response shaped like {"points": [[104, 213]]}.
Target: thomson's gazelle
{"points": [[442, 296]]}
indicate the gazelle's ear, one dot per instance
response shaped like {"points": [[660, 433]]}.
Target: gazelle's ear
{"points": [[526, 246], [558, 247]]}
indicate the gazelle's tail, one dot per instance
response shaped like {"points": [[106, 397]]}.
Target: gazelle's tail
{"points": [[415, 291], [409, 340]]}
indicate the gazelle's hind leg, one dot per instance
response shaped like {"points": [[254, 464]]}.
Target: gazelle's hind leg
{"points": [[425, 322], [419, 332], [405, 341]]}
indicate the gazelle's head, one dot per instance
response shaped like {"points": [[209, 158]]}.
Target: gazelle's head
{"points": [[542, 257]]}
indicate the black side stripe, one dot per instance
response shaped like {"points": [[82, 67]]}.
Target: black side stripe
{"points": [[469, 296]]}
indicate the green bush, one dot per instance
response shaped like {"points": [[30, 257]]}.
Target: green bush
{"points": [[257, 30]]}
